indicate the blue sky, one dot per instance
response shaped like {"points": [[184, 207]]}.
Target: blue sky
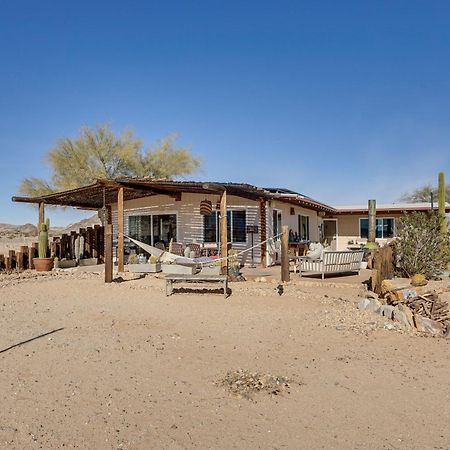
{"points": [[343, 101]]}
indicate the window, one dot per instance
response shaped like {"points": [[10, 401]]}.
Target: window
{"points": [[303, 227], [276, 223], [385, 228], [236, 226], [152, 229]]}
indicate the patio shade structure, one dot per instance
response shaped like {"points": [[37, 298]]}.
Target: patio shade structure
{"points": [[107, 192]]}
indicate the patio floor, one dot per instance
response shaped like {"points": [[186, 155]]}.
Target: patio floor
{"points": [[274, 273]]}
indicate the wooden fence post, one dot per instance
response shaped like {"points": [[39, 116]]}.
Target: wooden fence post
{"points": [[120, 231], [371, 234], [285, 276]]}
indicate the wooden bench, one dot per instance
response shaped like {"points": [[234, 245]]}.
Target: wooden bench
{"points": [[198, 278]]}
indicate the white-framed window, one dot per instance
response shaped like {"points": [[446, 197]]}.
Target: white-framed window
{"points": [[385, 227], [303, 227], [276, 223], [236, 226]]}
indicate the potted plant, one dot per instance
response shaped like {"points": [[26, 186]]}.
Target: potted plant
{"points": [[43, 263], [234, 267], [135, 266]]}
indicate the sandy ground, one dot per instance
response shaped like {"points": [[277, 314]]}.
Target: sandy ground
{"points": [[133, 369]]}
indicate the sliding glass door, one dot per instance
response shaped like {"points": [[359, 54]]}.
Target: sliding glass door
{"points": [[152, 229]]}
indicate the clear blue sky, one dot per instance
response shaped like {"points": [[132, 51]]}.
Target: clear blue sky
{"points": [[340, 100]]}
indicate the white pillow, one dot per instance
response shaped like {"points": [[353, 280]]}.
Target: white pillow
{"points": [[315, 250]]}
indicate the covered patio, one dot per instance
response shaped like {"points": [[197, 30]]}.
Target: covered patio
{"points": [[109, 197]]}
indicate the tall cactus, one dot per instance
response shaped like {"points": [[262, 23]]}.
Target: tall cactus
{"points": [[441, 202], [43, 238]]}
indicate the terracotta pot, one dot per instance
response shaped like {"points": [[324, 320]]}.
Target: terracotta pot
{"points": [[43, 264]]}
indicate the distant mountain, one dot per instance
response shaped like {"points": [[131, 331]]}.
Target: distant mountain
{"points": [[84, 223], [9, 230], [29, 230]]}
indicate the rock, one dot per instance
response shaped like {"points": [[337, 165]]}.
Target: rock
{"points": [[394, 285], [374, 305], [419, 280], [363, 303], [407, 312], [426, 325], [389, 326], [386, 311], [370, 294], [401, 317]]}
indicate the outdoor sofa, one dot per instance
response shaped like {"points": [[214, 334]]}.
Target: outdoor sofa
{"points": [[331, 262]]}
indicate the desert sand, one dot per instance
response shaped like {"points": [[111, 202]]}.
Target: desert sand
{"points": [[133, 369]]}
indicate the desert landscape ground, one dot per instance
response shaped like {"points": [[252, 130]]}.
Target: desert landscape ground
{"points": [[133, 369]]}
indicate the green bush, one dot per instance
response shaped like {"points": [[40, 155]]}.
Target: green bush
{"points": [[421, 248]]}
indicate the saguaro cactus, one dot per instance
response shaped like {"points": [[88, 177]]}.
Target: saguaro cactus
{"points": [[441, 202], [43, 238]]}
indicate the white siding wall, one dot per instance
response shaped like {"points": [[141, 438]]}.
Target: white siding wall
{"points": [[292, 222], [189, 220]]}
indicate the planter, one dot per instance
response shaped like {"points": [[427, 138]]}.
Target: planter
{"points": [[88, 262], [66, 264], [177, 269], [144, 268], [211, 270], [43, 264]]}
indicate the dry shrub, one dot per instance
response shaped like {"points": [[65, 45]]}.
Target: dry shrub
{"points": [[420, 246]]}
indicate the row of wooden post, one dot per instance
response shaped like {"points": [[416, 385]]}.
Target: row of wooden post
{"points": [[64, 246], [21, 260]]}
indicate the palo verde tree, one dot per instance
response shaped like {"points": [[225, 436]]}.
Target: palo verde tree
{"points": [[423, 194], [97, 152]]}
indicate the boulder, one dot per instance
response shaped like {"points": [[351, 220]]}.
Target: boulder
{"points": [[363, 303], [370, 294], [407, 312], [400, 317], [374, 305], [386, 311], [426, 325]]}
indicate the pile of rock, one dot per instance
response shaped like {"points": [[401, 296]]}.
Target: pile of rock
{"points": [[244, 383], [411, 306]]}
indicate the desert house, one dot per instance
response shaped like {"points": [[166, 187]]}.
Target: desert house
{"points": [[161, 211]]}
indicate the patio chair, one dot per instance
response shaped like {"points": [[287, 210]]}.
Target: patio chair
{"points": [[196, 248], [178, 248]]}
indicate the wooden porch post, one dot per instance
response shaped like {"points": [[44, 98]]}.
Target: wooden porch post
{"points": [[263, 231], [120, 229], [108, 253], [223, 232], [41, 213], [285, 276], [372, 221]]}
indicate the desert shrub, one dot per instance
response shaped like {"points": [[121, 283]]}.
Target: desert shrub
{"points": [[420, 245]]}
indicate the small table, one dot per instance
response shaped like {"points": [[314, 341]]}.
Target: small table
{"points": [[198, 278]]}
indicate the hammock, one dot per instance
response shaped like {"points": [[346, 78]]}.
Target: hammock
{"points": [[164, 256]]}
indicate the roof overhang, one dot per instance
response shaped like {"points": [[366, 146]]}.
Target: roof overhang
{"points": [[104, 192]]}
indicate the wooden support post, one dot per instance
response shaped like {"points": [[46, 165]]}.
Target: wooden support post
{"points": [[372, 221], [31, 255], [95, 242], [89, 241], [24, 251], [285, 276], [2, 262], [263, 230], [19, 259], [12, 258], [223, 233], [108, 253], [120, 229], [41, 213], [8, 265]]}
